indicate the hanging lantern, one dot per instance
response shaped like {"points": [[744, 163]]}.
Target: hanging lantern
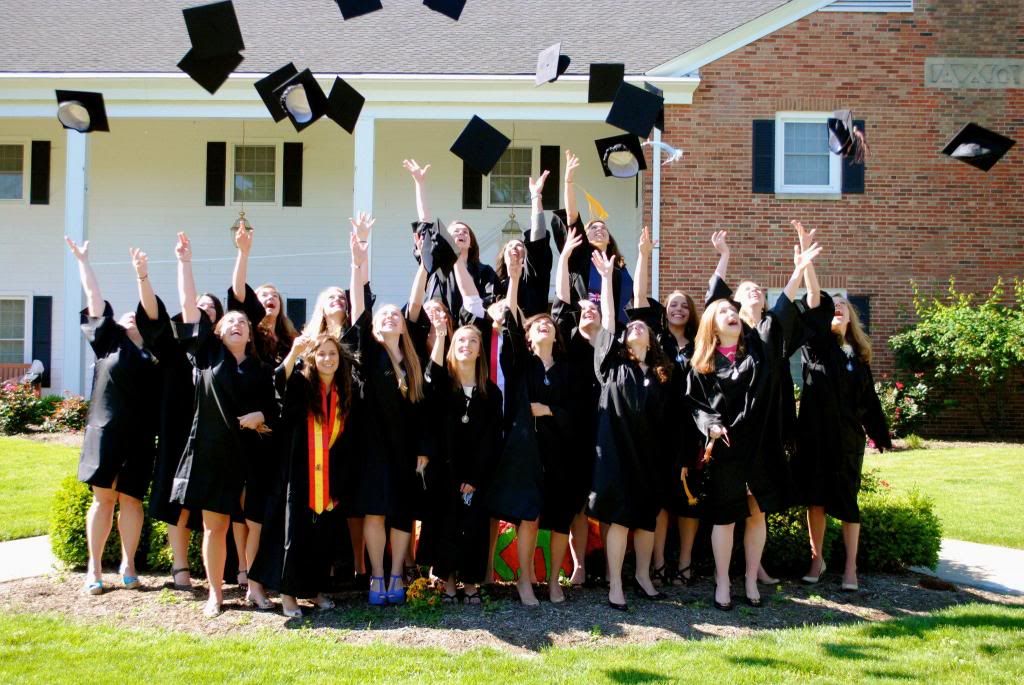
{"points": [[240, 222]]}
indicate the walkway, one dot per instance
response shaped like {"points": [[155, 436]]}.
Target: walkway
{"points": [[26, 558]]}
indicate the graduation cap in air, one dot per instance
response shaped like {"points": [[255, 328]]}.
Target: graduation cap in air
{"points": [[344, 105], [659, 121], [605, 80], [480, 145], [302, 99], [438, 252], [216, 44], [621, 156], [268, 84], [81, 111], [635, 110], [449, 8], [350, 9], [551, 64], [844, 139], [978, 146]]}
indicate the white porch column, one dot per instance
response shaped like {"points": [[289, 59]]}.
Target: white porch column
{"points": [[656, 216], [76, 185], [362, 179]]}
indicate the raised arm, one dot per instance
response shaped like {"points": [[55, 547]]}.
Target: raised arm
{"points": [[91, 287], [186, 283], [722, 247], [563, 290], [140, 262], [605, 266], [417, 293], [537, 228], [802, 259], [440, 326], [572, 162], [300, 346], [643, 267], [419, 177], [810, 273], [515, 273], [361, 226], [243, 240]]}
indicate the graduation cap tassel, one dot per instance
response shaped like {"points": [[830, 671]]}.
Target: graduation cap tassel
{"points": [[594, 208], [691, 500]]}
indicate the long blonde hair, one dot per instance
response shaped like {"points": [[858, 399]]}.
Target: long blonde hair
{"points": [[413, 372], [480, 368], [318, 322], [706, 341], [855, 334]]}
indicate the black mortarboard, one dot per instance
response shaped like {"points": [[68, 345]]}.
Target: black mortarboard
{"points": [[350, 9], [605, 80], [843, 139], [209, 72], [303, 106], [81, 111], [449, 8], [268, 84], [480, 145], [551, 64], [978, 146], [621, 156], [437, 251], [635, 110], [344, 105], [653, 315], [213, 30], [659, 121]]}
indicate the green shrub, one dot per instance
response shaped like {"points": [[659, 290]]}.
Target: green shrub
{"points": [[160, 558], [19, 408], [914, 442], [69, 415], [905, 404], [48, 404], [787, 549]]}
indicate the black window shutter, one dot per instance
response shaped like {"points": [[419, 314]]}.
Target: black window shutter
{"points": [[853, 174], [296, 308], [550, 160], [862, 303], [42, 325], [39, 187], [763, 149], [472, 188], [216, 167], [291, 195]]}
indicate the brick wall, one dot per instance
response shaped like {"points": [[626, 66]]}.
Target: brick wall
{"points": [[923, 216]]}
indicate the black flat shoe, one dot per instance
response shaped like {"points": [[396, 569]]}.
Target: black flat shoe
{"points": [[722, 607], [756, 603], [617, 606]]}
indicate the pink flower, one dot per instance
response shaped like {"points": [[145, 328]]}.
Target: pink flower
{"points": [[899, 386]]}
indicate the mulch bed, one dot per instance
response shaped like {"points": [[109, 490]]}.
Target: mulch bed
{"points": [[501, 622]]}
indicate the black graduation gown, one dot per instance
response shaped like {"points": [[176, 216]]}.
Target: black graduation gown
{"points": [[536, 278], [580, 266], [391, 433], [534, 474], [221, 459], [630, 439], [740, 396], [455, 537], [838, 406], [271, 351], [120, 431], [439, 261], [584, 394], [176, 412], [298, 546]]}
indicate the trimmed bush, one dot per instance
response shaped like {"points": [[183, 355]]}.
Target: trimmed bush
{"points": [[67, 416], [19, 407]]}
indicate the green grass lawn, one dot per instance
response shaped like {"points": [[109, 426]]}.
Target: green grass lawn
{"points": [[29, 474], [977, 490], [968, 643]]}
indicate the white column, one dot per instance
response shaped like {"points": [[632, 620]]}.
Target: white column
{"points": [[656, 215], [362, 161], [76, 185]]}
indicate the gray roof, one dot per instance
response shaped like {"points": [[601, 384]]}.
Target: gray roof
{"points": [[492, 37]]}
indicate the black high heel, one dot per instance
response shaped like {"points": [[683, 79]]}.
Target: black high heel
{"points": [[641, 592], [617, 606]]}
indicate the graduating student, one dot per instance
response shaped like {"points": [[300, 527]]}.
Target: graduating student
{"points": [[631, 424], [234, 403], [534, 250], [305, 529], [531, 482], [732, 385], [395, 444], [469, 411], [838, 408], [119, 445], [176, 411], [584, 278]]}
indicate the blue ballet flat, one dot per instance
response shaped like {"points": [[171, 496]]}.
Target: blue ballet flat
{"points": [[94, 588], [396, 596], [378, 598], [131, 582]]}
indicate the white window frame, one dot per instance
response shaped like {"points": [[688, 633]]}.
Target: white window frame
{"points": [[278, 146], [26, 170], [26, 357], [534, 147], [835, 166]]}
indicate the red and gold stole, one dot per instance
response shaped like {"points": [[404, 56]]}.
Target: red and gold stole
{"points": [[320, 439]]}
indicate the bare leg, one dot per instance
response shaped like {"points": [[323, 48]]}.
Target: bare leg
{"points": [[399, 546], [355, 534], [851, 538], [721, 546], [289, 603], [615, 550], [376, 539], [687, 534], [816, 532], [578, 533], [660, 535], [215, 529], [240, 534], [559, 545], [526, 545], [753, 545], [643, 546], [252, 546], [129, 526], [179, 535], [98, 523], [492, 549]]}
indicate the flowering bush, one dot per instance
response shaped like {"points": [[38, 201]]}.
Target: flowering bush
{"points": [[905, 404], [68, 416], [19, 407], [421, 594]]}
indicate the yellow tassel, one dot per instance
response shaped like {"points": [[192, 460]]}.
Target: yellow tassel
{"points": [[689, 495], [594, 208]]}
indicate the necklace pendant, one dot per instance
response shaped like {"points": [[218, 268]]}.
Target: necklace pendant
{"points": [[647, 381], [735, 374], [849, 366], [547, 381], [465, 418], [679, 358]]}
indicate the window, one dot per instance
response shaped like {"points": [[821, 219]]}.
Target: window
{"points": [[255, 173], [511, 176], [12, 331], [12, 172], [803, 163]]}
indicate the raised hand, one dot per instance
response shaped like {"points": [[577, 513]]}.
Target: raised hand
{"points": [[604, 264], [302, 345], [806, 237], [140, 261], [183, 248], [514, 262], [360, 249], [718, 240], [419, 173], [805, 257], [572, 163], [438, 321], [536, 187], [362, 225], [646, 244], [243, 239], [81, 252], [573, 239]]}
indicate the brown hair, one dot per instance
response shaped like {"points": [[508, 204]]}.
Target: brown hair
{"points": [[706, 341], [437, 301], [558, 345], [413, 372], [474, 247], [282, 334], [318, 323], [613, 248], [655, 357], [690, 327], [480, 369], [499, 264], [218, 329], [342, 378], [855, 334]]}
